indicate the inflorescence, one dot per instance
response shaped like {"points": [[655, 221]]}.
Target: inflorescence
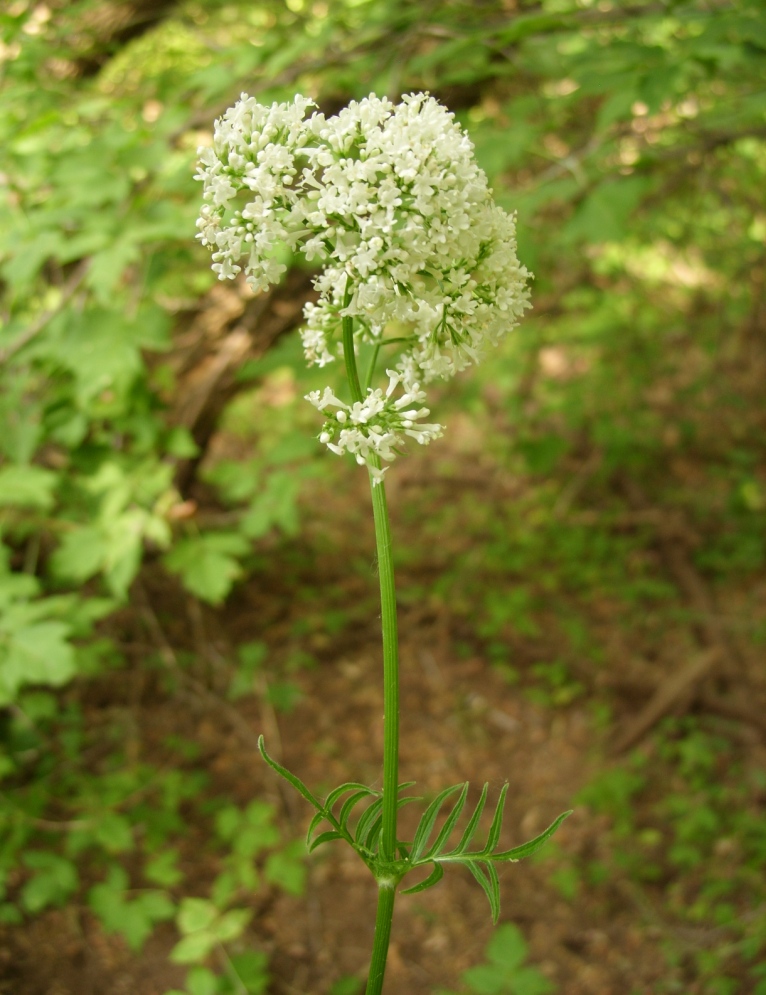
{"points": [[390, 200]]}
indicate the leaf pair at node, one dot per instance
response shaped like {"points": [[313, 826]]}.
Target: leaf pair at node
{"points": [[363, 835]]}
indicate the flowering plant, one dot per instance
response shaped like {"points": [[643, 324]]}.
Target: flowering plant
{"points": [[416, 256]]}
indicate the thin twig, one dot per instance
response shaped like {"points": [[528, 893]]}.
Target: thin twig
{"points": [[268, 715], [667, 696], [171, 661], [67, 292]]}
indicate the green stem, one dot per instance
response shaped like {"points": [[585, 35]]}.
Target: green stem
{"points": [[376, 351], [352, 374], [387, 886], [389, 626], [390, 669], [385, 914], [371, 370]]}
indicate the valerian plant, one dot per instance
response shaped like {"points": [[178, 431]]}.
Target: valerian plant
{"points": [[417, 261]]}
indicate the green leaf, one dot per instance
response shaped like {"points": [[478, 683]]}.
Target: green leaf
{"points": [[27, 487], [135, 920], [505, 972], [366, 820], [194, 947], [180, 443], [316, 821], [604, 214], [337, 793], [450, 823], [124, 550], [55, 880], [527, 849], [34, 654], [325, 837], [107, 267], [207, 564], [347, 986], [473, 822], [156, 905], [101, 347], [284, 695], [39, 706], [10, 914], [231, 925], [29, 256], [428, 819], [196, 914], [299, 786], [114, 832], [225, 888], [252, 969], [161, 869], [228, 822], [276, 505], [433, 878], [80, 554], [351, 802], [486, 875], [372, 839], [616, 107], [251, 658], [507, 947], [487, 980], [201, 981], [497, 822]]}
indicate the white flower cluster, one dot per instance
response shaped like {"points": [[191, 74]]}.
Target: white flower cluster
{"points": [[390, 200], [376, 424]]}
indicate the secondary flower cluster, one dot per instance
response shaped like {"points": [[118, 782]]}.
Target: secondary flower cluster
{"points": [[390, 200], [376, 424]]}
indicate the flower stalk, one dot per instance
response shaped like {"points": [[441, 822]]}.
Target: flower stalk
{"points": [[386, 886], [388, 622], [390, 670]]}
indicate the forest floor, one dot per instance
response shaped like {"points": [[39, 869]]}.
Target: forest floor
{"points": [[593, 927]]}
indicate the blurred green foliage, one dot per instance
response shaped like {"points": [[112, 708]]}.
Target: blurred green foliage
{"points": [[632, 142], [505, 972]]}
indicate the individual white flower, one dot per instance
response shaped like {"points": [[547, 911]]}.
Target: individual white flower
{"points": [[391, 200]]}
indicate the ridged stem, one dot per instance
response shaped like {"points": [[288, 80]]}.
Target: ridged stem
{"points": [[383, 919], [387, 888]]}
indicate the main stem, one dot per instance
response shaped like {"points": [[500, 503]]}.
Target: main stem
{"points": [[383, 919], [387, 885]]}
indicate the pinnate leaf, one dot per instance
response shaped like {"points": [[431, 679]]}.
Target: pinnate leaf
{"points": [[428, 820]]}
